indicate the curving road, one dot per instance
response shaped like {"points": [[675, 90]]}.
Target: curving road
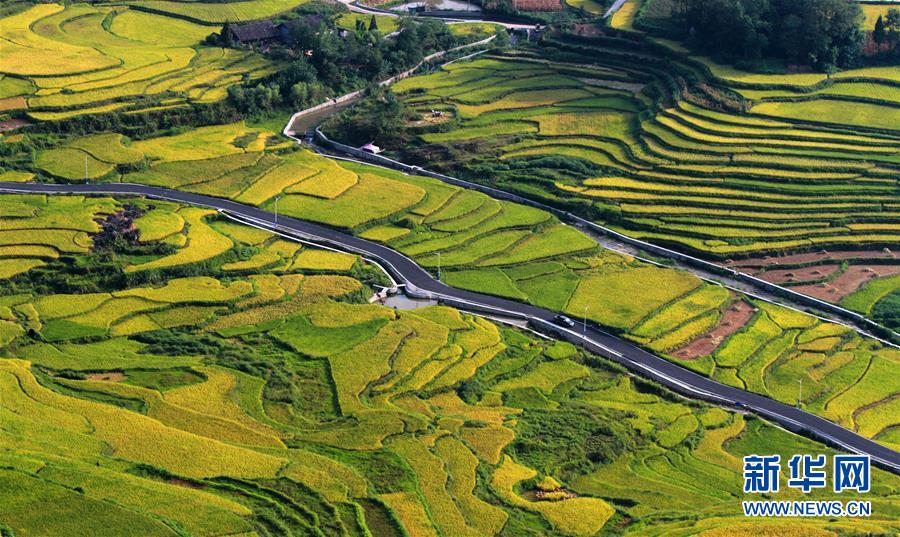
{"points": [[419, 282]]}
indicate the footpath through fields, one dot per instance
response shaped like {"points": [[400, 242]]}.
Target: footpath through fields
{"points": [[419, 282]]}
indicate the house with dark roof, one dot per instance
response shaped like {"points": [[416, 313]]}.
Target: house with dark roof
{"points": [[264, 33], [255, 33]]}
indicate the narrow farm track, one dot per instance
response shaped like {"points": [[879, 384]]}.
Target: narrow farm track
{"points": [[420, 282]]}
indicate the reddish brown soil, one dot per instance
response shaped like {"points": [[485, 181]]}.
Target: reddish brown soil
{"points": [[734, 319], [805, 274], [12, 124], [538, 5], [811, 257], [13, 103], [113, 376], [849, 281]]}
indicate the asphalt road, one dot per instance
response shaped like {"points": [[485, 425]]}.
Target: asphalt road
{"points": [[421, 283], [356, 7], [617, 5]]}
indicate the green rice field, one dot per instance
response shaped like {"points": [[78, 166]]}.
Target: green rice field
{"points": [[480, 244], [800, 168], [271, 400], [168, 371], [96, 59]]}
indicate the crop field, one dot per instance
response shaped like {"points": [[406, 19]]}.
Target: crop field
{"points": [[165, 370], [682, 155], [475, 242], [783, 177], [217, 12], [271, 398], [384, 23], [97, 59]]}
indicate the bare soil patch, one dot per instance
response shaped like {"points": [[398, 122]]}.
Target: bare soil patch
{"points": [[13, 103], [851, 280], [812, 257], [804, 274], [433, 117], [12, 124], [737, 315], [538, 5], [112, 376], [588, 30], [613, 84]]}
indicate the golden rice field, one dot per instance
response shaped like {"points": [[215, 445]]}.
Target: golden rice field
{"points": [[729, 176], [299, 398], [167, 371], [784, 176], [94, 59], [479, 243]]}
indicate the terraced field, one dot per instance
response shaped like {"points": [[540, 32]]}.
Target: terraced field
{"points": [[216, 12], [167, 371], [273, 401], [96, 59], [590, 125], [491, 246]]}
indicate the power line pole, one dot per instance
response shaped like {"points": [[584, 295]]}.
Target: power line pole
{"points": [[584, 328], [276, 210], [800, 397], [439, 266], [85, 169]]}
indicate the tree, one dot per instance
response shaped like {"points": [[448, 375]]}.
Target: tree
{"points": [[892, 25], [879, 35], [501, 38], [892, 21], [821, 33], [226, 35], [373, 24]]}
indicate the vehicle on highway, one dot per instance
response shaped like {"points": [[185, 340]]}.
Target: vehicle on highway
{"points": [[562, 320]]}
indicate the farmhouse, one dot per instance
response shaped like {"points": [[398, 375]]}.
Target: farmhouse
{"points": [[255, 33], [265, 33]]}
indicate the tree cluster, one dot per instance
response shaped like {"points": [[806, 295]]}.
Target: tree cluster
{"points": [[885, 36], [823, 34], [325, 62]]}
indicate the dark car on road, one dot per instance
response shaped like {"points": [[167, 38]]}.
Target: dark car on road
{"points": [[562, 320]]}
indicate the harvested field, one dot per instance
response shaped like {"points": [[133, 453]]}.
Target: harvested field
{"points": [[849, 281], [814, 272], [734, 318], [812, 257]]}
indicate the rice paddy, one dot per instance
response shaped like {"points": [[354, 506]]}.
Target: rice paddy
{"points": [[244, 403], [474, 241], [96, 59], [166, 371], [681, 171]]}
